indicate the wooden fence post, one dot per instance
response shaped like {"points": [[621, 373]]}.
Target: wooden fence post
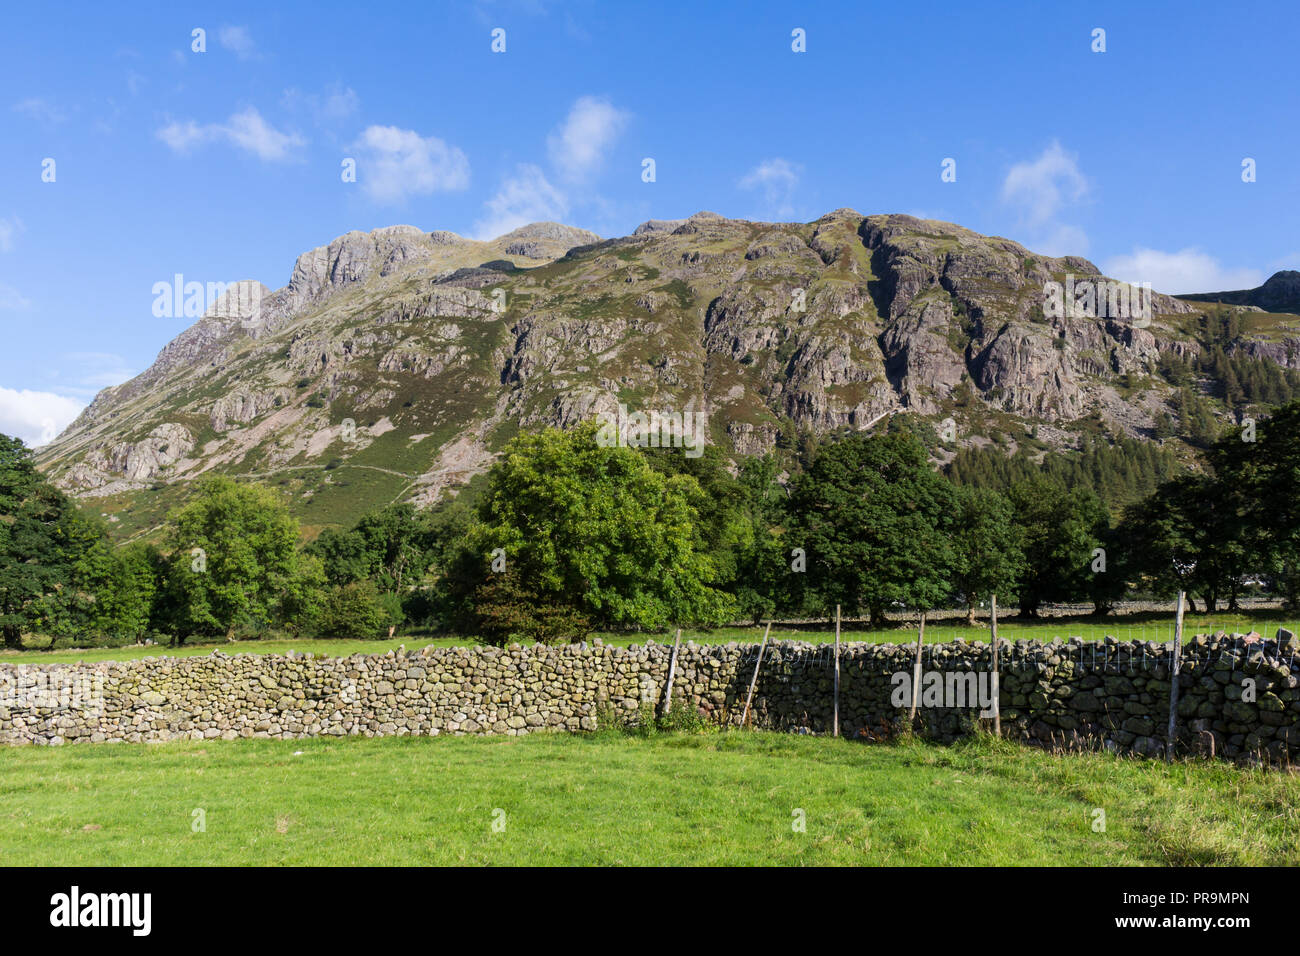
{"points": [[672, 667], [994, 679], [1175, 668], [744, 718], [916, 668], [835, 719]]}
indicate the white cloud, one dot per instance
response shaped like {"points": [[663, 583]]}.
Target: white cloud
{"points": [[11, 298], [340, 104], [334, 104], [237, 40], [1042, 186], [250, 132], [777, 179], [246, 129], [36, 417], [577, 148], [579, 145], [182, 136], [395, 164], [41, 109], [525, 197], [1175, 273], [1040, 190], [9, 228]]}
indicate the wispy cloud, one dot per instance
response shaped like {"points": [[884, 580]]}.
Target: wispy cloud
{"points": [[250, 132], [238, 41], [395, 164], [526, 196], [246, 130], [579, 146], [41, 110], [11, 299], [777, 180], [1040, 190], [9, 229], [1041, 186], [1187, 270], [334, 104]]}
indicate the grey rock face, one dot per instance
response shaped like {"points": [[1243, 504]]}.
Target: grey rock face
{"points": [[657, 225], [243, 406], [351, 258], [554, 230], [139, 461], [1284, 352], [835, 323]]}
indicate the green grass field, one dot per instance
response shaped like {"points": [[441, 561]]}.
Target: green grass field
{"points": [[1141, 627], [607, 798]]}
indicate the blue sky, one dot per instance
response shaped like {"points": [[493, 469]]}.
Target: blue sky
{"points": [[226, 164]]}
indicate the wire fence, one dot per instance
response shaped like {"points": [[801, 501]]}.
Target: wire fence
{"points": [[1052, 671], [1162, 633], [1136, 649]]}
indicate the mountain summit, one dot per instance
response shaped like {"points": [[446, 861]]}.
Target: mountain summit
{"points": [[1280, 293], [396, 363]]}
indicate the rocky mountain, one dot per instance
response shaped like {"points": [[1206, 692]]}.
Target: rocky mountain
{"points": [[395, 364], [1281, 293]]}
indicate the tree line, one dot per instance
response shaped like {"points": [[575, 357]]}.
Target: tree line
{"points": [[563, 536]]}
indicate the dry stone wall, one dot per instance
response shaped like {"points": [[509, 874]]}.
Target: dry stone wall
{"points": [[1238, 697]]}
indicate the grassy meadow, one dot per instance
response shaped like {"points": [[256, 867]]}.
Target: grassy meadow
{"points": [[1146, 626], [608, 798]]}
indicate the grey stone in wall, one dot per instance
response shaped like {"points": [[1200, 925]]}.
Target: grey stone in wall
{"points": [[1238, 698]]}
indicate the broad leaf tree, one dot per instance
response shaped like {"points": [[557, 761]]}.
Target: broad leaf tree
{"points": [[1062, 529], [1261, 481], [42, 543], [988, 555], [599, 530], [876, 523], [120, 588], [233, 558]]}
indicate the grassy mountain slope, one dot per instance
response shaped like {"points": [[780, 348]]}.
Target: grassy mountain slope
{"points": [[395, 364]]}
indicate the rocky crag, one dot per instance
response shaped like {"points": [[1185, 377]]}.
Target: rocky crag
{"points": [[395, 364], [1281, 293]]}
